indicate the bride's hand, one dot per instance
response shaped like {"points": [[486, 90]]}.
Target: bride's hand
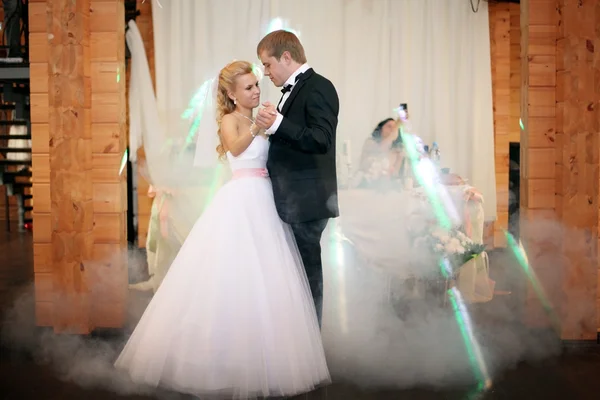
{"points": [[255, 130], [266, 116], [262, 133], [270, 108]]}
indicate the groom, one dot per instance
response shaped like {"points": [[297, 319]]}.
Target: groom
{"points": [[301, 160]]}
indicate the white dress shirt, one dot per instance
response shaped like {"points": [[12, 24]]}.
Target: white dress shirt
{"points": [[292, 82]]}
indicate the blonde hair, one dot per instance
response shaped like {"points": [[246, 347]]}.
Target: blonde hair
{"points": [[227, 80], [278, 42]]}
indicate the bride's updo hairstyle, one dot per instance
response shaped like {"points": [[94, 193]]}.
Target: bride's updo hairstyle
{"points": [[227, 80]]}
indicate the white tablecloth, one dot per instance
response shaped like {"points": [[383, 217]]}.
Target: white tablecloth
{"points": [[377, 222]]}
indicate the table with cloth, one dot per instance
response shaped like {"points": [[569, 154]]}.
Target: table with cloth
{"points": [[377, 224]]}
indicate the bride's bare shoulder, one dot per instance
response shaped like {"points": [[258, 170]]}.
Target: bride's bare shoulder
{"points": [[229, 118], [229, 122]]}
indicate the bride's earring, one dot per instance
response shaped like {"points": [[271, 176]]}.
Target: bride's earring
{"points": [[234, 102]]}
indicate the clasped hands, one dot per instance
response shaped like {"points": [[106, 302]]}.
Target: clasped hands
{"points": [[266, 116]]}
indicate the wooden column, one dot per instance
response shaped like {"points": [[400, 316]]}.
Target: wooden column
{"points": [[499, 14], [514, 131], [538, 113], [40, 161], [578, 127], [108, 146], [71, 210], [560, 157], [596, 129], [78, 140]]}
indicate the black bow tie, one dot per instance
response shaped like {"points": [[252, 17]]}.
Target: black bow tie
{"points": [[288, 88]]}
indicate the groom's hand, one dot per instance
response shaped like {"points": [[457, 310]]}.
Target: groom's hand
{"points": [[266, 116], [269, 106]]}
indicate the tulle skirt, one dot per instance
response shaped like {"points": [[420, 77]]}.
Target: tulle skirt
{"points": [[234, 317]]}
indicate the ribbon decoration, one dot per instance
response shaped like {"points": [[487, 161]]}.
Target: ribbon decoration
{"points": [[161, 195], [250, 173], [470, 195]]}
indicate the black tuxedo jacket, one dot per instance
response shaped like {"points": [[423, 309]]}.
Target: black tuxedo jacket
{"points": [[302, 153]]}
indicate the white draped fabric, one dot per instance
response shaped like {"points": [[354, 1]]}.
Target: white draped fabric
{"points": [[145, 128], [432, 54]]}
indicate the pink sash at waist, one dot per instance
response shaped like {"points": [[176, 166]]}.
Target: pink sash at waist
{"points": [[250, 173]]}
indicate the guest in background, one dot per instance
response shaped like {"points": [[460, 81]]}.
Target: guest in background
{"points": [[383, 147]]}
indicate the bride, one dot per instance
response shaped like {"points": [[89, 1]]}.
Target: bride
{"points": [[234, 316]]}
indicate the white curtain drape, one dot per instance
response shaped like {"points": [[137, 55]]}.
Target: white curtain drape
{"points": [[144, 123], [432, 54]]}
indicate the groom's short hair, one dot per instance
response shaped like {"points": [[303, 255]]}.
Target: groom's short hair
{"points": [[278, 42]]}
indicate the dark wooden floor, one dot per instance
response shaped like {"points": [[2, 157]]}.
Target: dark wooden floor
{"points": [[36, 364]]}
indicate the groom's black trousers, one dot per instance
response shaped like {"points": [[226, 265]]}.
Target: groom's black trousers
{"points": [[308, 239]]}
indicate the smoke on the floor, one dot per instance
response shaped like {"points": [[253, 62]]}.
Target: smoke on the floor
{"points": [[86, 360], [379, 331]]}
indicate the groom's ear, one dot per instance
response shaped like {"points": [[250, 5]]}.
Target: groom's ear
{"points": [[286, 56]]}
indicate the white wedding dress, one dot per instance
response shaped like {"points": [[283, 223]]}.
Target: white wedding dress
{"points": [[234, 316]]}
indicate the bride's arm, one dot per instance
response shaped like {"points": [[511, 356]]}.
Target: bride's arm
{"points": [[234, 140]]}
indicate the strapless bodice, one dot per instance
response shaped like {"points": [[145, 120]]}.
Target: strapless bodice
{"points": [[255, 156]]}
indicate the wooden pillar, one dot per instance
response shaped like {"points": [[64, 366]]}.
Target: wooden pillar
{"points": [[499, 14], [596, 129], [71, 210], [538, 114], [78, 140], [578, 127], [108, 147], [40, 162], [560, 158], [514, 131]]}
